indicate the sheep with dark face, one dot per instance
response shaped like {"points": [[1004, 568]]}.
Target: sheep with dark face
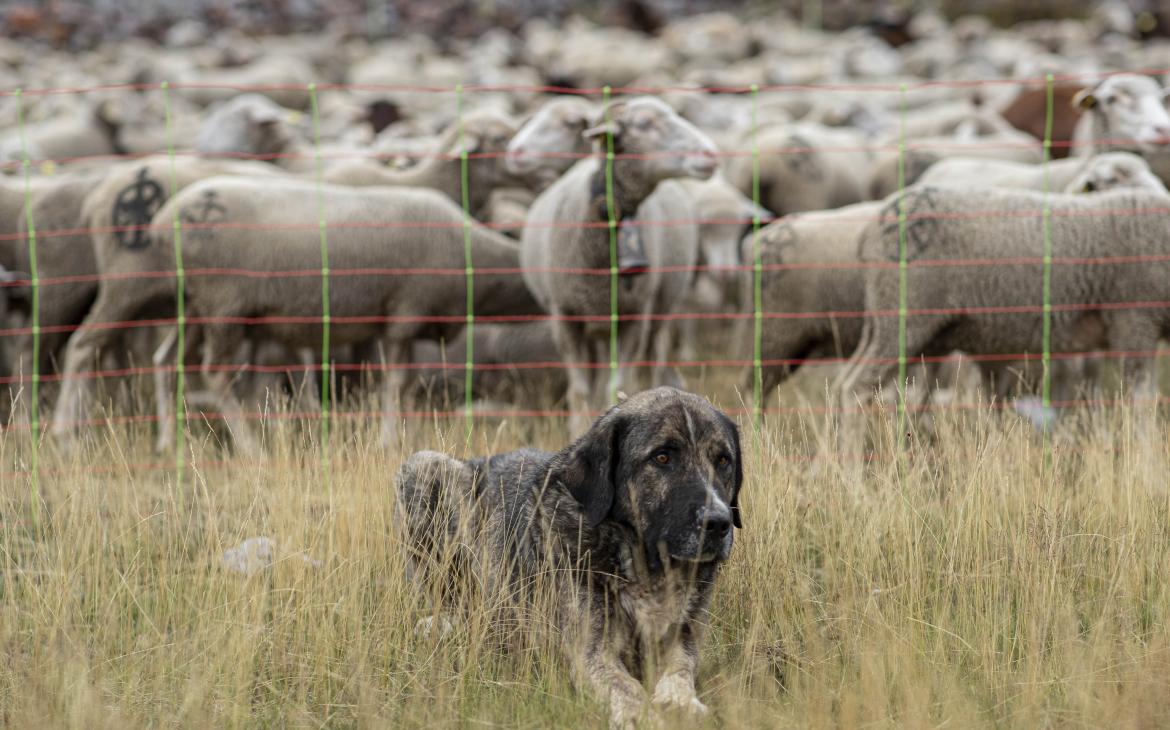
{"points": [[567, 231]]}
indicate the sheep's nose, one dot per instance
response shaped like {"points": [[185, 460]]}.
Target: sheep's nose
{"points": [[715, 523], [516, 161], [704, 162]]}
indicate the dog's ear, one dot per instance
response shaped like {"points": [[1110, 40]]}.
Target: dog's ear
{"points": [[589, 468], [736, 519]]}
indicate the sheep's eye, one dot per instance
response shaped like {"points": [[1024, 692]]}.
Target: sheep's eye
{"points": [[662, 458], [1090, 186]]}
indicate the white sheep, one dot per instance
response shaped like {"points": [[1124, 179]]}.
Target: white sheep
{"points": [[803, 166], [991, 309], [567, 230], [227, 223], [1105, 171], [1125, 112]]}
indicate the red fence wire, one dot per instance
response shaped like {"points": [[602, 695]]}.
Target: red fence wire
{"points": [[21, 237]]}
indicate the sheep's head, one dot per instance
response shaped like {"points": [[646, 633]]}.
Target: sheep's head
{"points": [[1114, 170], [551, 141], [484, 136], [1128, 107], [14, 289], [727, 215], [652, 138], [249, 124]]}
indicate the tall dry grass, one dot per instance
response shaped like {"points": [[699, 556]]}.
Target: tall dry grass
{"points": [[979, 576]]}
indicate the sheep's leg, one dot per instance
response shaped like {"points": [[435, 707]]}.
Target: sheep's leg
{"points": [[634, 347], [117, 304], [872, 363], [394, 383], [70, 409], [688, 336], [21, 373], [665, 372], [303, 381], [785, 347], [222, 347], [163, 406], [573, 346], [1133, 331]]}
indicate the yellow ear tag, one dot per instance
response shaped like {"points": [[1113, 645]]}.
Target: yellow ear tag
{"points": [[48, 167], [293, 117]]}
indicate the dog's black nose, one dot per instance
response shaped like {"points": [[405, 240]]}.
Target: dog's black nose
{"points": [[716, 524]]}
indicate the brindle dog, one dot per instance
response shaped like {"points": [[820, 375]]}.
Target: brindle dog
{"points": [[632, 523]]}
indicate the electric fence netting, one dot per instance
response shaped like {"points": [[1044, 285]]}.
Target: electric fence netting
{"points": [[730, 351]]}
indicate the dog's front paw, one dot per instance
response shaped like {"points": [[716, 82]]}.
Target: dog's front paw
{"points": [[434, 627], [676, 692]]}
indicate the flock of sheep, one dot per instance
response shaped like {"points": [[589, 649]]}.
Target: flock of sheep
{"points": [[400, 168]]}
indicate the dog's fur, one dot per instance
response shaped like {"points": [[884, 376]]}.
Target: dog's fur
{"points": [[632, 544]]}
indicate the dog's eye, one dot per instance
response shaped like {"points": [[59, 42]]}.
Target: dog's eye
{"points": [[724, 460], [662, 458]]}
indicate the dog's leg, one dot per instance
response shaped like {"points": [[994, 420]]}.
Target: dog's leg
{"points": [[676, 686], [434, 505], [600, 666]]}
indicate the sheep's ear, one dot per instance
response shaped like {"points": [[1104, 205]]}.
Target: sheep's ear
{"points": [[588, 468], [751, 210], [381, 113], [600, 130], [21, 291], [262, 115], [108, 114], [606, 122], [1084, 99], [467, 144]]}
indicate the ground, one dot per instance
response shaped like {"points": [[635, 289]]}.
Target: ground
{"points": [[980, 576]]}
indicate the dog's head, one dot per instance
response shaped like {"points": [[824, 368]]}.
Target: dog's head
{"points": [[667, 464]]}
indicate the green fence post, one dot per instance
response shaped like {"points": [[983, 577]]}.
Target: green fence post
{"points": [[180, 300], [326, 373], [468, 267], [35, 285], [613, 252]]}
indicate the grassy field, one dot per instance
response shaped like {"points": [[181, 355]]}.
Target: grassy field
{"points": [[972, 578]]}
